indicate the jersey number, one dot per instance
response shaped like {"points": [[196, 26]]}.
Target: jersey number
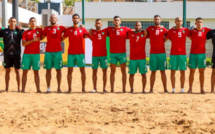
{"points": [[117, 32], [179, 34], [157, 32], [199, 34], [99, 36], [34, 35], [11, 35], [55, 31], [137, 38], [75, 33]]}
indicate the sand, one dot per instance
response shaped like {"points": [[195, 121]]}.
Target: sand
{"points": [[118, 113]]}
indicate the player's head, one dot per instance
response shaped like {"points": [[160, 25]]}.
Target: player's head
{"points": [[32, 22], [157, 20], [75, 18], [98, 24], [12, 22], [138, 26], [53, 19], [199, 22], [116, 21], [178, 22]]}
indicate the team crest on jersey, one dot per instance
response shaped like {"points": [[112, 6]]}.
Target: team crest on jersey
{"points": [[37, 32], [58, 28], [203, 30], [103, 33], [141, 35], [161, 30], [183, 31], [80, 31], [121, 29]]}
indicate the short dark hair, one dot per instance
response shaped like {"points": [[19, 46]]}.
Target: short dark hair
{"points": [[98, 19], [116, 17], [32, 18], [12, 18], [157, 16], [75, 15], [199, 18]]}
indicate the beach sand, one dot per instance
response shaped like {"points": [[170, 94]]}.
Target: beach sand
{"points": [[118, 113]]}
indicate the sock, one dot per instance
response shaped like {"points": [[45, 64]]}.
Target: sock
{"points": [[182, 89], [48, 89], [173, 90]]}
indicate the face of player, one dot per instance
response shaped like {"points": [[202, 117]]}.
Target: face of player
{"points": [[179, 22], [98, 24], [75, 20], [157, 21], [12, 23], [138, 26], [53, 19], [199, 23], [117, 22], [33, 23]]}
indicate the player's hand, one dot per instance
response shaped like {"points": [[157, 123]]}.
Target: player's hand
{"points": [[36, 39], [161, 26], [58, 25], [91, 31], [41, 26], [145, 32], [174, 27], [82, 26], [19, 27]]}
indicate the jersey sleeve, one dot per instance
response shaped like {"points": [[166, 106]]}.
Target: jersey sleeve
{"points": [[148, 31], [1, 33], [128, 29], [168, 35], [207, 30], [165, 31], [209, 35], [187, 32], [66, 33], [63, 29], [107, 31], [24, 36], [128, 35], [44, 32]]}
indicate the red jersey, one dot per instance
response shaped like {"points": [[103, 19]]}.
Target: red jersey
{"points": [[178, 38], [137, 45], [54, 34], [30, 34], [76, 42], [198, 38], [99, 42], [118, 39], [156, 36]]}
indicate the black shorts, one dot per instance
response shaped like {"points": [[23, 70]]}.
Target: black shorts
{"points": [[12, 61]]}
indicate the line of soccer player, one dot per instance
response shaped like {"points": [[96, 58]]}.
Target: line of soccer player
{"points": [[157, 34]]}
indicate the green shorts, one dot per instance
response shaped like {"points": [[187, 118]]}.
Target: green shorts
{"points": [[197, 60], [31, 60], [118, 57], [76, 58], [53, 59], [135, 64], [158, 62], [178, 62], [101, 60]]}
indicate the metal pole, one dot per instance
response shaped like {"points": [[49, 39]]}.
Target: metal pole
{"points": [[15, 10], [184, 13], [83, 18], [4, 14]]}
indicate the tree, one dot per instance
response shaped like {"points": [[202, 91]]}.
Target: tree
{"points": [[70, 2], [37, 1]]}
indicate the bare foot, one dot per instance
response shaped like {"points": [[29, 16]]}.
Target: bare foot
{"points": [[212, 91], [105, 91], [22, 91], [166, 91], [143, 91], [112, 91], [190, 91], [6, 90], [69, 91], [123, 91], [132, 91], [151, 91], [59, 91], [202, 92], [38, 91], [83, 91]]}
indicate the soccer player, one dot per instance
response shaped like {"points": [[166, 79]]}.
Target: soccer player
{"points": [[178, 59], [99, 53], [157, 61], [31, 56], [197, 53], [117, 36], [12, 49], [76, 50], [53, 54], [211, 35], [137, 55]]}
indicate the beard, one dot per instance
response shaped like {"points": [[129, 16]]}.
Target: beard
{"points": [[53, 23]]}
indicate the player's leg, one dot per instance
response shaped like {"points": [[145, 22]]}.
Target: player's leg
{"points": [[192, 65], [26, 65], [81, 65], [71, 64], [182, 79], [122, 60], [113, 63], [95, 64], [17, 65], [153, 67], [48, 65], [83, 78], [162, 66], [58, 65], [143, 70], [172, 77], [36, 68], [18, 79], [133, 64], [212, 79], [202, 79], [7, 78], [104, 66]]}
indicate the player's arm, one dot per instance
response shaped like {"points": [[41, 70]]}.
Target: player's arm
{"points": [[209, 36], [65, 35], [25, 43]]}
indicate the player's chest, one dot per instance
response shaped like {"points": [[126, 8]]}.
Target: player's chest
{"points": [[33, 34], [54, 31], [11, 34], [199, 34], [99, 35], [157, 32], [120, 32], [179, 34], [136, 38]]}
